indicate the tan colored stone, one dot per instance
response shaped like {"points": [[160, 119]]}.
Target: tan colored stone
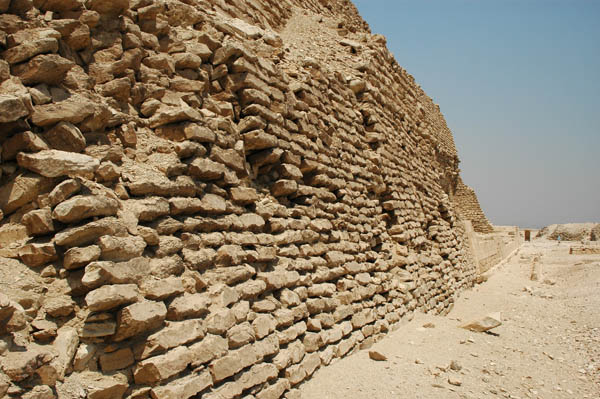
{"points": [[21, 190], [487, 323], [211, 347], [174, 334], [82, 207], [121, 248], [234, 362], [48, 68], [30, 49], [65, 137], [36, 255], [162, 367], [188, 305], [55, 163], [183, 388], [39, 222], [11, 108], [284, 187], [139, 318], [111, 296], [116, 360], [76, 258]]}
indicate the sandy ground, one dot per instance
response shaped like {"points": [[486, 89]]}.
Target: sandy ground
{"points": [[547, 347]]}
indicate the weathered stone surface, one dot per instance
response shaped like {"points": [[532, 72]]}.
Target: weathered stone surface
{"points": [[183, 388], [121, 248], [147, 209], [188, 305], [116, 360], [173, 335], [59, 306], [27, 50], [55, 163], [82, 207], [109, 7], [21, 190], [24, 141], [111, 296], [48, 68], [259, 140], [211, 347], [76, 258], [66, 137], [21, 365], [39, 222], [11, 108], [73, 110], [138, 318], [36, 255], [284, 187], [63, 191], [234, 362], [206, 169], [90, 232], [159, 368], [99, 386], [162, 289]]}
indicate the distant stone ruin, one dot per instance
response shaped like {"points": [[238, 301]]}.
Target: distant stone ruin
{"points": [[212, 198], [571, 232], [468, 207]]}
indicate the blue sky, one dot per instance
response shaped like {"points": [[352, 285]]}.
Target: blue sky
{"points": [[519, 85]]}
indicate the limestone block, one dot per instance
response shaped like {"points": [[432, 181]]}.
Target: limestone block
{"points": [[121, 248], [188, 306], [162, 289], [100, 386], [21, 190], [220, 320], [183, 388], [40, 392], [76, 258], [160, 368], [111, 296], [243, 195], [234, 362], [82, 207], [36, 255], [109, 7], [38, 222], [45, 68], [116, 360], [65, 137], [259, 140], [206, 169], [139, 318], [240, 335], [284, 187], [211, 347], [12, 108], [24, 141], [21, 365], [55, 163], [59, 306], [63, 191], [174, 334]]}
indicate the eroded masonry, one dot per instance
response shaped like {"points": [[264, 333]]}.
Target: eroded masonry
{"points": [[211, 198]]}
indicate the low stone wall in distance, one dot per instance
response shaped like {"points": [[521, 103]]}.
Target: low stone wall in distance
{"points": [[490, 249]]}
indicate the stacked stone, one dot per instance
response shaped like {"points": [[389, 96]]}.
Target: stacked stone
{"points": [[200, 220], [467, 204]]}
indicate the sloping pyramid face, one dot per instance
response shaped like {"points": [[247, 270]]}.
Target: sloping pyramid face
{"points": [[211, 198]]}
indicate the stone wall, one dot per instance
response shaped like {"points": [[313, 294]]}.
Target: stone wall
{"points": [[468, 207], [490, 249], [191, 208]]}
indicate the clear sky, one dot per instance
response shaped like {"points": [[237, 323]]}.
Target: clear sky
{"points": [[518, 82]]}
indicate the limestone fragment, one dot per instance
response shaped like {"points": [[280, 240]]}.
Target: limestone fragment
{"points": [[484, 324]]}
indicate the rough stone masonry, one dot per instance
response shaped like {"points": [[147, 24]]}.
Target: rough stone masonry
{"points": [[192, 206]]}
